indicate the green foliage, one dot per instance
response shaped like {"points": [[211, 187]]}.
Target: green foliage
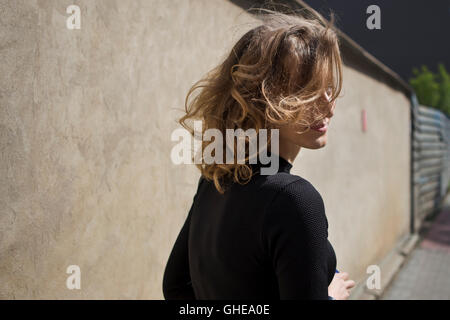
{"points": [[444, 79], [432, 90], [426, 87]]}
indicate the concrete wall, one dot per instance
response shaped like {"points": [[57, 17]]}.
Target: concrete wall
{"points": [[85, 123]]}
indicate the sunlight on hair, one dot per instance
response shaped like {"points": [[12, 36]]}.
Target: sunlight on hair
{"points": [[275, 75]]}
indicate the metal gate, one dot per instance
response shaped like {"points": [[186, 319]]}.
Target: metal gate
{"points": [[430, 161]]}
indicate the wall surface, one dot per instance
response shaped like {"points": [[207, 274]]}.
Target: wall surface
{"points": [[85, 123]]}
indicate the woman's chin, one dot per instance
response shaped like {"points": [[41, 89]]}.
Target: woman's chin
{"points": [[318, 143]]}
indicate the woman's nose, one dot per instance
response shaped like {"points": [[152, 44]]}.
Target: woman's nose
{"points": [[333, 106], [330, 105]]}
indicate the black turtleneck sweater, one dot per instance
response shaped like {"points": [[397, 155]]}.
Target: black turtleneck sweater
{"points": [[266, 239]]}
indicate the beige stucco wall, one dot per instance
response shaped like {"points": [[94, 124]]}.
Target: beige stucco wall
{"points": [[85, 123]]}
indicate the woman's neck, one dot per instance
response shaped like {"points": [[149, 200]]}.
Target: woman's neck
{"points": [[288, 151]]}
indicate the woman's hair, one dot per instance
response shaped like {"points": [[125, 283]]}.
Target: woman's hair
{"points": [[275, 75]]}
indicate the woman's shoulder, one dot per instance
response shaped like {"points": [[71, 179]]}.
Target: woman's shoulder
{"points": [[282, 186], [290, 185], [296, 195]]}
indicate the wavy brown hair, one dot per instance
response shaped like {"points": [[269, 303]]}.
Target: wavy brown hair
{"points": [[275, 75]]}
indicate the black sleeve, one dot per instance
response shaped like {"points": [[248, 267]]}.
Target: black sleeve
{"points": [[295, 239], [177, 280]]}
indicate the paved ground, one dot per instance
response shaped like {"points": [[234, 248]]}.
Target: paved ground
{"points": [[426, 273]]}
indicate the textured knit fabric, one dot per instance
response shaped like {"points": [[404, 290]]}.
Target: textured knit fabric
{"points": [[266, 239]]}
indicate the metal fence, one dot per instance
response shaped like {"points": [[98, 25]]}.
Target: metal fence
{"points": [[430, 161]]}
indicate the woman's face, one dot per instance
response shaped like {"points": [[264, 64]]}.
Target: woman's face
{"points": [[313, 138]]}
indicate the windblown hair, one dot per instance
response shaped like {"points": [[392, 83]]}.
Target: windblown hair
{"points": [[275, 75]]}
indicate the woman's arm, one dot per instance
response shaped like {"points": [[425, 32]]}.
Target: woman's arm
{"points": [[295, 236], [177, 280]]}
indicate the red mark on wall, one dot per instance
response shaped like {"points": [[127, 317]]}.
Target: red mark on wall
{"points": [[364, 120]]}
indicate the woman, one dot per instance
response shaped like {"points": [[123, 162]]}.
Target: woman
{"points": [[254, 236]]}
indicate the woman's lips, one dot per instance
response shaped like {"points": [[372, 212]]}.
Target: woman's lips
{"points": [[321, 128]]}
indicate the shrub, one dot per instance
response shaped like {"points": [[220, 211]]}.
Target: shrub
{"points": [[444, 79], [432, 90]]}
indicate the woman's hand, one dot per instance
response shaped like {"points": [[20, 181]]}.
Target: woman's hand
{"points": [[340, 287]]}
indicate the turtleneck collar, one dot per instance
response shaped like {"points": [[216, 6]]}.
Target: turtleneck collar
{"points": [[283, 165]]}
